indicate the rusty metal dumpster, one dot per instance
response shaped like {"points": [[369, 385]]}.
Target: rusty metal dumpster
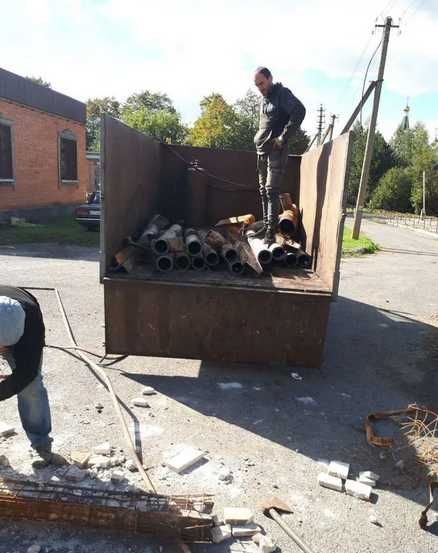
{"points": [[205, 315]]}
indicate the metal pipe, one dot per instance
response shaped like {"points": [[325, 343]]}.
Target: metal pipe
{"points": [[236, 267], [303, 259], [182, 261], [170, 241], [156, 225], [229, 253], [192, 241], [291, 259], [288, 221], [198, 263], [164, 263], [261, 251], [278, 253], [210, 256]]}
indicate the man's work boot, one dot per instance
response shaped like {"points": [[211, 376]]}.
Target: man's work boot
{"points": [[43, 457]]}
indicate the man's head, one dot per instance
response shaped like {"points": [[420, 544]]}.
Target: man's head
{"points": [[263, 80], [12, 318]]}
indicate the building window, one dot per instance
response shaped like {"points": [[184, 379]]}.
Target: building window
{"points": [[68, 157], [6, 161]]}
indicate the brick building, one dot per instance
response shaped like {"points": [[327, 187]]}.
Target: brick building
{"points": [[43, 168]]}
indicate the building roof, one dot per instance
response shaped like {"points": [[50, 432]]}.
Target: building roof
{"points": [[23, 91]]}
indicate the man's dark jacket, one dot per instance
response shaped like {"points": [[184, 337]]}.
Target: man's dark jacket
{"points": [[281, 114], [28, 350]]}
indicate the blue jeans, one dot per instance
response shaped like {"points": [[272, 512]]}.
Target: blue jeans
{"points": [[34, 410]]}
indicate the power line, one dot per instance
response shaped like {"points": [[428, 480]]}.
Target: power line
{"points": [[366, 73], [410, 6]]}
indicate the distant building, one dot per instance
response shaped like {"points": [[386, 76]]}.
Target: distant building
{"points": [[43, 168], [405, 121]]}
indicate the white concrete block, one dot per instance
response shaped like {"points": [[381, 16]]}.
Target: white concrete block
{"points": [[330, 482], [369, 474], [367, 481], [185, 459], [103, 449], [6, 430], [140, 402], [237, 515], [266, 545], [359, 490], [104, 462], [220, 533], [148, 391], [246, 531], [339, 469], [117, 476]]}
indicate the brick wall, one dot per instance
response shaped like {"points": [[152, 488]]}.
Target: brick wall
{"points": [[36, 163]]}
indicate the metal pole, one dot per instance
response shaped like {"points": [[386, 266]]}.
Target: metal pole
{"points": [[332, 127], [424, 194], [371, 132]]}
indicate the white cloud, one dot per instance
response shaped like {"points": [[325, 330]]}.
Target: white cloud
{"points": [[189, 49]]}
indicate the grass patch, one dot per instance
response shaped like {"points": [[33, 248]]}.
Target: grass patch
{"points": [[357, 247], [64, 231]]}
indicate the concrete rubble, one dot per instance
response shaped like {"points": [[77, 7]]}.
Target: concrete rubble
{"points": [[103, 449], [246, 531], [75, 474], [6, 430], [359, 490], [186, 458], [238, 515], [265, 543], [221, 533], [140, 402], [339, 469], [80, 457], [148, 391]]}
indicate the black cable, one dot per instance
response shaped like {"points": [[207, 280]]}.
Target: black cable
{"points": [[366, 74]]}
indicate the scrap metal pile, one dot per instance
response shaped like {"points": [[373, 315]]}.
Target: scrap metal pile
{"points": [[174, 517], [233, 244]]}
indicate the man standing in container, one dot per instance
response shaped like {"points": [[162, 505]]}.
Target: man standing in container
{"points": [[281, 115], [21, 348]]}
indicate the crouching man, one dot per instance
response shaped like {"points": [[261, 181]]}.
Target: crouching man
{"points": [[21, 346]]}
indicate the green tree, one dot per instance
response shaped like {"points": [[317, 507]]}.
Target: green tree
{"points": [[40, 81], [393, 191], [152, 101], [162, 124], [96, 107], [217, 126], [383, 159]]}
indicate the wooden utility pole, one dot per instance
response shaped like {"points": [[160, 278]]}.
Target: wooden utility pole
{"points": [[371, 130]]}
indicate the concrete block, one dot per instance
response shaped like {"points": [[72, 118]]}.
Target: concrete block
{"points": [[237, 515], [339, 469], [185, 459], [140, 402], [103, 449], [359, 490], [80, 457], [148, 391], [330, 482], [369, 474], [104, 462], [246, 531], [35, 548], [118, 476], [364, 480], [220, 533], [265, 543], [6, 430]]}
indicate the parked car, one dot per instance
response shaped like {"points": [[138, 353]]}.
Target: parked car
{"points": [[88, 215]]}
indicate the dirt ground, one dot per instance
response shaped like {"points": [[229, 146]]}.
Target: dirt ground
{"points": [[265, 426]]}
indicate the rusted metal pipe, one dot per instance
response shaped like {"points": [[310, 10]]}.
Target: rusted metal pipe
{"points": [[170, 241], [210, 255], [198, 263], [291, 259], [164, 263], [303, 259], [260, 249], [229, 253], [288, 221], [192, 241]]}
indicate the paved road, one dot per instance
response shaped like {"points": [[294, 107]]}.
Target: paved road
{"points": [[381, 353]]}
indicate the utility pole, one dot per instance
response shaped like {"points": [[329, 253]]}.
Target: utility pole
{"points": [[320, 124], [332, 127], [371, 130], [423, 211]]}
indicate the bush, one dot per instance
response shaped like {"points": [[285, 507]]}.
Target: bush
{"points": [[393, 191]]}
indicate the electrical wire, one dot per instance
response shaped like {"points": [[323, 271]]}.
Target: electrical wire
{"points": [[421, 2], [366, 73], [101, 372]]}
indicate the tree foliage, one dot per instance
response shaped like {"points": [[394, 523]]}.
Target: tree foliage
{"points": [[40, 81], [96, 107], [151, 101], [162, 124], [393, 191]]}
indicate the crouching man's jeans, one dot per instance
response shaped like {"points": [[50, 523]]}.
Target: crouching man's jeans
{"points": [[34, 410], [271, 167]]}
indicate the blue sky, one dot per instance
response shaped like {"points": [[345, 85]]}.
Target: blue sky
{"points": [[190, 48]]}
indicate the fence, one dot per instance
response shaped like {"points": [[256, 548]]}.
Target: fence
{"points": [[429, 224]]}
